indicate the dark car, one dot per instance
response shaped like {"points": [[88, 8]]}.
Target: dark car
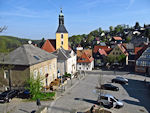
{"points": [[25, 94], [109, 87], [120, 80], [8, 95]]}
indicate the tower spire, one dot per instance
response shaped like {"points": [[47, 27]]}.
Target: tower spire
{"points": [[61, 17]]}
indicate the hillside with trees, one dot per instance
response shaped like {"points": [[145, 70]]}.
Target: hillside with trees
{"points": [[9, 43], [124, 31]]}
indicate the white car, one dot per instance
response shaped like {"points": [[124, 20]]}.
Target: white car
{"points": [[109, 101]]}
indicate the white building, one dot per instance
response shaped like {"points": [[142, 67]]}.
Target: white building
{"points": [[66, 61], [85, 62]]}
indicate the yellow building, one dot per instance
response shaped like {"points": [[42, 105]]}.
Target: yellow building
{"points": [[61, 33]]}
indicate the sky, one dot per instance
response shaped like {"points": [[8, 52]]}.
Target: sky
{"points": [[35, 19]]}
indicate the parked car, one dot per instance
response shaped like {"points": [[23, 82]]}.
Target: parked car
{"points": [[109, 101], [120, 80], [8, 95], [109, 87], [25, 94]]}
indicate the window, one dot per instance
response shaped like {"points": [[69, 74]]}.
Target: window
{"points": [[46, 69], [54, 66], [116, 53], [6, 74], [62, 36], [40, 71], [79, 67], [62, 42], [36, 57], [35, 74]]}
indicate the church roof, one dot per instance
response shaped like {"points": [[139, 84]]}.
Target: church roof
{"points": [[47, 46], [61, 29]]}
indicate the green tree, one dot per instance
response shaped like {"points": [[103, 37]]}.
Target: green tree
{"points": [[111, 28], [137, 25], [34, 85], [42, 42], [128, 39]]}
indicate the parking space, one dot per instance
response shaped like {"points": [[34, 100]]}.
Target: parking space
{"points": [[135, 95]]}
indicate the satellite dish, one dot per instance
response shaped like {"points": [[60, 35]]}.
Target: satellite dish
{"points": [[29, 42]]}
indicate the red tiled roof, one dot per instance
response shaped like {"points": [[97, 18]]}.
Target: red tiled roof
{"points": [[102, 52], [85, 57], [117, 38], [47, 46], [97, 47], [80, 52], [137, 49], [123, 49]]}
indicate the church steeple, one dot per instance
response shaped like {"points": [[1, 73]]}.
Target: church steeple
{"points": [[61, 33], [61, 17], [61, 27]]}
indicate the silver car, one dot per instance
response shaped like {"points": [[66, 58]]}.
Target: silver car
{"points": [[109, 101]]}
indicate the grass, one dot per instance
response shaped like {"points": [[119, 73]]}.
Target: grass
{"points": [[44, 96]]}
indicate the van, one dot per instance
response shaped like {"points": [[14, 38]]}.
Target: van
{"points": [[108, 100]]}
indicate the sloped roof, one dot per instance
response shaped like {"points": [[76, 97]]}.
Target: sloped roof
{"points": [[62, 54], [85, 58], [123, 49], [47, 46], [80, 52], [27, 55], [53, 42], [97, 47], [117, 38], [144, 59], [102, 52], [61, 29], [137, 49]]}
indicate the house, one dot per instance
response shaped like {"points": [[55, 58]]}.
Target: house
{"points": [[143, 62], [85, 62], [118, 51], [26, 61], [117, 40], [79, 47], [96, 41], [99, 54], [80, 52], [66, 61], [138, 41]]}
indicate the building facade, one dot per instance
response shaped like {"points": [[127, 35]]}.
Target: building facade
{"points": [[27, 61], [66, 61]]}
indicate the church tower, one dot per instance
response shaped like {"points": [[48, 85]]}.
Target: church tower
{"points": [[61, 33]]}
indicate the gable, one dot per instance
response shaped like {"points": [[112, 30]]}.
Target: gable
{"points": [[47, 46]]}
